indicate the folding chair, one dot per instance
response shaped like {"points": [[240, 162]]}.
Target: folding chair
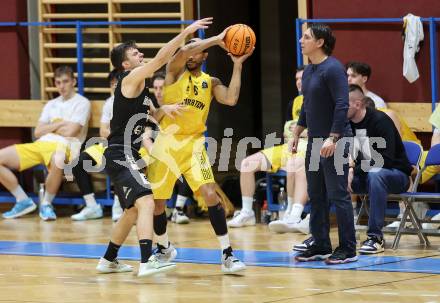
{"points": [[414, 154], [433, 158]]}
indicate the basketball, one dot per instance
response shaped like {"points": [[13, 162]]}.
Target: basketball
{"points": [[240, 39]]}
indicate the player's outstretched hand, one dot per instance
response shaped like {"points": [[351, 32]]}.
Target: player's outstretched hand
{"points": [[221, 38], [241, 59], [199, 24]]}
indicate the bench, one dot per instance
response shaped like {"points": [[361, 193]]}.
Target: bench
{"points": [[25, 113]]}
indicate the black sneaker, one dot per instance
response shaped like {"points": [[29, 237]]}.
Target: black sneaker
{"points": [[340, 256], [314, 253], [373, 245], [305, 245]]}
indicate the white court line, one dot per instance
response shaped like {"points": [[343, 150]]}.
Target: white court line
{"points": [[275, 287], [389, 293], [428, 295], [352, 291], [27, 275], [201, 284], [313, 289], [63, 277], [239, 285]]}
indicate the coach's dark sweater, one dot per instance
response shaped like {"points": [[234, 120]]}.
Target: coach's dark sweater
{"points": [[325, 106], [377, 124]]}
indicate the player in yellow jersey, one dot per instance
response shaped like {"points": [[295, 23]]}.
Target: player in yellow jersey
{"points": [[271, 160], [179, 148], [61, 129]]}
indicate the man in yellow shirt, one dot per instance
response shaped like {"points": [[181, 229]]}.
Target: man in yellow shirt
{"points": [[179, 149]]}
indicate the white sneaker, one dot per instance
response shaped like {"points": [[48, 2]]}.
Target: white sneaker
{"points": [[242, 218], [165, 254], [396, 224], [285, 225], [303, 226], [231, 264], [88, 213], [104, 266], [179, 217], [432, 225], [117, 210], [279, 226], [154, 266]]}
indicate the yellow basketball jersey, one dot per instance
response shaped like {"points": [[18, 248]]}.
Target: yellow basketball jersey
{"points": [[296, 108], [406, 132], [196, 94]]}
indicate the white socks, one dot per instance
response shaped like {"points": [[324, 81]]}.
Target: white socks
{"points": [[289, 204], [247, 204], [297, 209], [224, 241], [48, 198], [90, 200], [162, 239], [180, 201], [19, 194]]}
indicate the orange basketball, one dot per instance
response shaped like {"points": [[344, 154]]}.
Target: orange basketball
{"points": [[240, 39]]}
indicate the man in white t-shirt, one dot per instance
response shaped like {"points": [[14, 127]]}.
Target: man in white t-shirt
{"points": [[359, 73], [61, 130], [95, 153]]}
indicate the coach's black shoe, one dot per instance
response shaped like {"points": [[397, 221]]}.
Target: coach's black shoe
{"points": [[305, 245], [314, 253], [340, 256]]}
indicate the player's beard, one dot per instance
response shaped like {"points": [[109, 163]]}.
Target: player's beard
{"points": [[193, 66]]}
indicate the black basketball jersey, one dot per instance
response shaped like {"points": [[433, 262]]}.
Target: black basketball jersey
{"points": [[130, 116]]}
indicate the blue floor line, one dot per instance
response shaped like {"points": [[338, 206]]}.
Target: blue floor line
{"points": [[212, 256]]}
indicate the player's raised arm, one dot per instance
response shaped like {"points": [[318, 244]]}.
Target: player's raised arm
{"points": [[139, 74], [228, 95], [177, 64]]}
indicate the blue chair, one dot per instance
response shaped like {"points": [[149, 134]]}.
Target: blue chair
{"points": [[433, 158]]}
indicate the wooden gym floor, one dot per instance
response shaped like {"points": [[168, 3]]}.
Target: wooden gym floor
{"points": [[55, 262]]}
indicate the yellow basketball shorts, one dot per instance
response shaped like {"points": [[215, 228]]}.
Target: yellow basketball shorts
{"points": [[39, 152], [430, 171], [279, 154], [96, 152], [174, 156]]}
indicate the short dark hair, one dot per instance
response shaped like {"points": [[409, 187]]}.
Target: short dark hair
{"points": [[158, 76], [360, 68], [355, 87], [368, 102], [64, 70], [119, 53], [300, 68], [323, 31], [114, 74]]}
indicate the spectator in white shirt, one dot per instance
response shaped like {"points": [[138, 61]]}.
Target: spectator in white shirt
{"points": [[359, 73], [61, 130]]}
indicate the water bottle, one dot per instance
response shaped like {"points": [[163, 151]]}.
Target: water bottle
{"points": [[282, 202], [41, 193]]}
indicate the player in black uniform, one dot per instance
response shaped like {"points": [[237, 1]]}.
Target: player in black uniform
{"points": [[131, 109]]}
